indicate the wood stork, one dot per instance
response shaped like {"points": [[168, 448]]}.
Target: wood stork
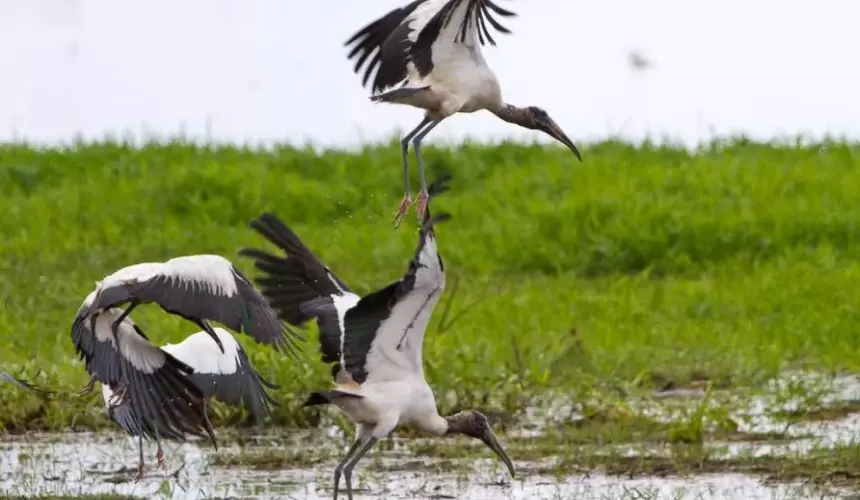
{"points": [[151, 382], [197, 288], [227, 376], [428, 55], [21, 382], [375, 341]]}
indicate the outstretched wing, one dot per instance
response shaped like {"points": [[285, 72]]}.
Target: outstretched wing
{"points": [[384, 332], [422, 33], [155, 385], [200, 286], [369, 42], [299, 286], [228, 376]]}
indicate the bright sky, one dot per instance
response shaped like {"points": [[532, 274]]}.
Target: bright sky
{"points": [[275, 70]]}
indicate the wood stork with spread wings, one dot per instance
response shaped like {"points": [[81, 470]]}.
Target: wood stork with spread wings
{"points": [[227, 376], [428, 55], [375, 341], [154, 385], [197, 288]]}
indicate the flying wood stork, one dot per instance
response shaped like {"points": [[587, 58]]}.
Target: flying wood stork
{"points": [[197, 288], [227, 376], [375, 341], [428, 55]]}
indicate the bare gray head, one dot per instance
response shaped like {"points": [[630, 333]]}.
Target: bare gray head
{"points": [[474, 424], [535, 118]]}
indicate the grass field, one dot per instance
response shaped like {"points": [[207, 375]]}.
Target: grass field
{"points": [[645, 266]]}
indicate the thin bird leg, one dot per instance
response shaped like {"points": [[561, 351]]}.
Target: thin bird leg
{"points": [[423, 195], [339, 469], [404, 153], [159, 453], [87, 388], [347, 471], [140, 464]]}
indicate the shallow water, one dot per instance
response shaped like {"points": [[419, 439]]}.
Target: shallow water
{"points": [[93, 463], [80, 464]]}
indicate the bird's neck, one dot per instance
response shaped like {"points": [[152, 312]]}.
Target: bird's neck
{"points": [[436, 425], [514, 114]]}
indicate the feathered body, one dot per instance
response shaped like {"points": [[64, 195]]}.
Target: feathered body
{"points": [[427, 54], [374, 342]]}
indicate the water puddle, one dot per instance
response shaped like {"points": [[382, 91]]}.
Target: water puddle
{"points": [[302, 463], [89, 464]]}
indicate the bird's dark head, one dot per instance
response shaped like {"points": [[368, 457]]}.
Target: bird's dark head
{"points": [[474, 424], [536, 118], [541, 121]]}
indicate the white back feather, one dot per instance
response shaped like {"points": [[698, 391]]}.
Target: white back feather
{"points": [[142, 355], [201, 353]]}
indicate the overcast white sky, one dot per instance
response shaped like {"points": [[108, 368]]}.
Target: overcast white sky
{"points": [[264, 70]]}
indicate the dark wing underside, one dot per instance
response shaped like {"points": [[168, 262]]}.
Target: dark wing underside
{"points": [[364, 321], [300, 287], [123, 415], [100, 357], [384, 44], [421, 51], [289, 282], [245, 387], [247, 311], [162, 397], [369, 42]]}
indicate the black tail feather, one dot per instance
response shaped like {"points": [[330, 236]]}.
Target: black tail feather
{"points": [[327, 397]]}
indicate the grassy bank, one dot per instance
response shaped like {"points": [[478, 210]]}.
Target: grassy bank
{"points": [[643, 267]]}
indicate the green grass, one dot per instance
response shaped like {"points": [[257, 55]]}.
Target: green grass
{"points": [[640, 266]]}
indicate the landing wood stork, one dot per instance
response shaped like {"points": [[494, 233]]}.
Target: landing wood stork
{"points": [[428, 55], [21, 382], [197, 288], [228, 376], [375, 341], [152, 383]]}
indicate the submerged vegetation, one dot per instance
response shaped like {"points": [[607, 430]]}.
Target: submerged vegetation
{"points": [[645, 269]]}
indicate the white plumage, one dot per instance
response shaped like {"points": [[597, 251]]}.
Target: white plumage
{"points": [[375, 342], [427, 54], [227, 375], [211, 272], [396, 350], [199, 352], [152, 390]]}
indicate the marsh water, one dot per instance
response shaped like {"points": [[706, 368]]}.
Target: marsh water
{"points": [[87, 464], [81, 464]]}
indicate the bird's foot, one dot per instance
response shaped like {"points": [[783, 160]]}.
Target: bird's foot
{"points": [[118, 396], [159, 459], [421, 203], [401, 212], [139, 475]]}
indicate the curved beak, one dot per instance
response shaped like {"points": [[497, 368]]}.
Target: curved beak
{"points": [[554, 131], [492, 443]]}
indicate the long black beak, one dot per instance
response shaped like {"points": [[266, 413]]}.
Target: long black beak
{"points": [[208, 329], [554, 131], [492, 443]]}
